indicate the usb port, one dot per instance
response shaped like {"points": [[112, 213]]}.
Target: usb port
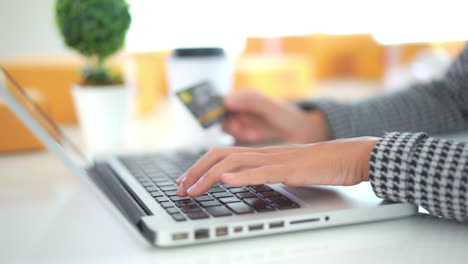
{"points": [[202, 233], [238, 229], [278, 224], [221, 231], [256, 227], [179, 236]]}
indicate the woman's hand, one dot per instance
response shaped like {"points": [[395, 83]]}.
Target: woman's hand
{"points": [[338, 162], [258, 119]]}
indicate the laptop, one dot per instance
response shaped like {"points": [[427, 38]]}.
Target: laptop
{"points": [[140, 187]]}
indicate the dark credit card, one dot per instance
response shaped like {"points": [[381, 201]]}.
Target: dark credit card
{"points": [[204, 103]]}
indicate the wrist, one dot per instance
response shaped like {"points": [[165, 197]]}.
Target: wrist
{"points": [[307, 127], [318, 127], [368, 145]]}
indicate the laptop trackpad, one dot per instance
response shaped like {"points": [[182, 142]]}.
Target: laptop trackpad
{"points": [[332, 197]]}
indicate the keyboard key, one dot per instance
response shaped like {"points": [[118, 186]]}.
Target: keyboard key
{"points": [[172, 210], [216, 190], [258, 204], [282, 202], [204, 198], [184, 203], [161, 199], [164, 183], [260, 188], [240, 208], [209, 203], [147, 184], [139, 177], [178, 217], [152, 189], [158, 177], [178, 198], [170, 193], [229, 200], [222, 194], [166, 205], [269, 194], [197, 215], [217, 211], [156, 194], [278, 199], [226, 186], [238, 190], [190, 208], [172, 187], [174, 176], [245, 195], [290, 205]]}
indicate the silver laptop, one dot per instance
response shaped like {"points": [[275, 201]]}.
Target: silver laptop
{"points": [[140, 189]]}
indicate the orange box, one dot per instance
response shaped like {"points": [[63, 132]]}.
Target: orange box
{"points": [[53, 78], [14, 136], [254, 45], [149, 77], [286, 77], [356, 55]]}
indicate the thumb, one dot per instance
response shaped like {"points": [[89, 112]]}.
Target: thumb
{"points": [[251, 102]]}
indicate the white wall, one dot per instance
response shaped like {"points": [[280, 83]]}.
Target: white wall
{"points": [[27, 28]]}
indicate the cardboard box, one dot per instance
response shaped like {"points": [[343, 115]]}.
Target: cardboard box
{"points": [[332, 56], [14, 136], [358, 56], [286, 77], [148, 75], [54, 78]]}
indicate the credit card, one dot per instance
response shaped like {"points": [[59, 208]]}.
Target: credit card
{"points": [[204, 102]]}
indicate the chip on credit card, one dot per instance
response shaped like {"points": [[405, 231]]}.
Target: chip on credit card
{"points": [[204, 102]]}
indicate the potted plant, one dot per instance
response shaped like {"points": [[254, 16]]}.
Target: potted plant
{"points": [[97, 30]]}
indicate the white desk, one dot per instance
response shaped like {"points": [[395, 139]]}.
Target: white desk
{"points": [[47, 217]]}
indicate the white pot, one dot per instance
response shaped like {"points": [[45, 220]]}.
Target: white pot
{"points": [[102, 112]]}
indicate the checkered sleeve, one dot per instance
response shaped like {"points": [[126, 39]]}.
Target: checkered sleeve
{"points": [[430, 172]]}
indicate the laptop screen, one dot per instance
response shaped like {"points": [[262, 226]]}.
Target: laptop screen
{"points": [[14, 94]]}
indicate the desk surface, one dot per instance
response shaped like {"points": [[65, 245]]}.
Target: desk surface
{"points": [[46, 216]]}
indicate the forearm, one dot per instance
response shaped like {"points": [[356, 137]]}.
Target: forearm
{"points": [[440, 106], [420, 108], [430, 172]]}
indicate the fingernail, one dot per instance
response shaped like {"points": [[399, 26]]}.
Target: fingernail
{"points": [[179, 180], [192, 189], [180, 191], [227, 177]]}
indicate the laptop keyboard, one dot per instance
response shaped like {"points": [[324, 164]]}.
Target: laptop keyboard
{"points": [[158, 173]]}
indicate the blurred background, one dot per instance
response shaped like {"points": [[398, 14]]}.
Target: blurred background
{"points": [[287, 49]]}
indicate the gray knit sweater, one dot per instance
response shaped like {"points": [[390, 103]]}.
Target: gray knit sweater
{"points": [[410, 166]]}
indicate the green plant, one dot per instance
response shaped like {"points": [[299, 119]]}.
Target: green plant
{"points": [[96, 29]]}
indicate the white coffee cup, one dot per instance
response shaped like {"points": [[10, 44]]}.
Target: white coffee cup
{"points": [[190, 66]]}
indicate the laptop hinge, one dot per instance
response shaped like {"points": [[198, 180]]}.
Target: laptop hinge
{"points": [[106, 179]]}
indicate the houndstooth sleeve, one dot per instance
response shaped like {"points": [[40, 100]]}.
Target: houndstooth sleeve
{"points": [[431, 172]]}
